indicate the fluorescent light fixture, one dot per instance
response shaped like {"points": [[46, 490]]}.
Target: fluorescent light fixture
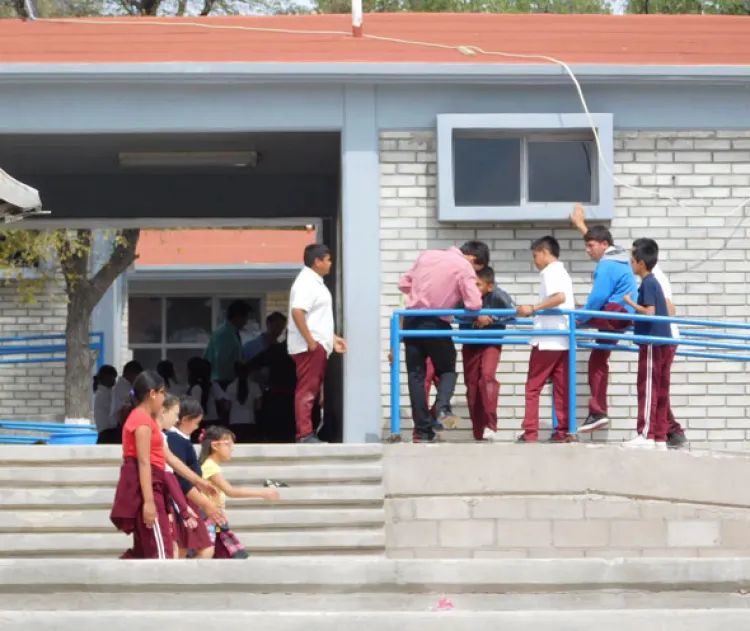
{"points": [[236, 159]]}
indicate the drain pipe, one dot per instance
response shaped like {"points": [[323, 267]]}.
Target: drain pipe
{"points": [[357, 18]]}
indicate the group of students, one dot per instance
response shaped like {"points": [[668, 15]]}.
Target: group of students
{"points": [[462, 278], [236, 405], [169, 498]]}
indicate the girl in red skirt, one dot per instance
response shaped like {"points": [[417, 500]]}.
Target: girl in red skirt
{"points": [[142, 497], [216, 448], [193, 542]]}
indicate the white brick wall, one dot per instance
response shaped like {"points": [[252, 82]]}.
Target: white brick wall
{"points": [[709, 172], [31, 391], [276, 301]]}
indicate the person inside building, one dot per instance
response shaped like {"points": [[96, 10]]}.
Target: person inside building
{"points": [[121, 394], [613, 280], [275, 327], [439, 279], [225, 347], [104, 381], [311, 337]]}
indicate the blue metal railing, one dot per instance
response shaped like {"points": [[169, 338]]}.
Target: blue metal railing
{"points": [[11, 347], [575, 332]]}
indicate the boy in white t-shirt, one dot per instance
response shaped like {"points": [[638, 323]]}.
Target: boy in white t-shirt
{"points": [[244, 397], [549, 354], [675, 433]]}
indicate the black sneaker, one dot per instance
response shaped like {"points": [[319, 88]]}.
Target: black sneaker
{"points": [[522, 440], [592, 423], [310, 439], [676, 441], [424, 439]]}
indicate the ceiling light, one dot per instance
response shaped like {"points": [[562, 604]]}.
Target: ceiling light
{"points": [[236, 159]]}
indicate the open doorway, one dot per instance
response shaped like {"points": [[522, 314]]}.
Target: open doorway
{"points": [[211, 207]]}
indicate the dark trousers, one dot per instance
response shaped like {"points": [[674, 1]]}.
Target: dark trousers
{"points": [[673, 427], [653, 391], [545, 365], [482, 387], [442, 352], [599, 358], [311, 370], [430, 379], [111, 436]]}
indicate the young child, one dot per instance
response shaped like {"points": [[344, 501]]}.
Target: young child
{"points": [[653, 363], [142, 495], [121, 395], [201, 389], [104, 381], [244, 398], [178, 508], [166, 369], [481, 360], [675, 433], [193, 542], [549, 354], [216, 448]]}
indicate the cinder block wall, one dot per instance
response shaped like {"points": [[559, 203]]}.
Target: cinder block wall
{"points": [[553, 501], [31, 391], [708, 171]]}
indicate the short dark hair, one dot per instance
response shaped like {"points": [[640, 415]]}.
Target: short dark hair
{"points": [[315, 252], [600, 234], [479, 250], [645, 252], [276, 316], [238, 309], [548, 243], [650, 242], [133, 367], [487, 274], [190, 408]]}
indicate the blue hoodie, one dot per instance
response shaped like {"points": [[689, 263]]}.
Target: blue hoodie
{"points": [[613, 280]]}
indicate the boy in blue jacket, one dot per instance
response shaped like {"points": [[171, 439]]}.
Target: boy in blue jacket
{"points": [[613, 280], [481, 360]]}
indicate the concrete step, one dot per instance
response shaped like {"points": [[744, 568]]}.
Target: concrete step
{"points": [[113, 544], [258, 517], [615, 620], [53, 498], [77, 455], [240, 475]]}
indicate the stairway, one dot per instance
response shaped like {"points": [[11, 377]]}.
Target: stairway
{"points": [[376, 594], [56, 500]]}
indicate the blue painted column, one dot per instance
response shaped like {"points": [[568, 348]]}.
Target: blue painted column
{"points": [[361, 266]]}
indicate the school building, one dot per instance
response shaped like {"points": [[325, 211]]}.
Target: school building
{"points": [[425, 132]]}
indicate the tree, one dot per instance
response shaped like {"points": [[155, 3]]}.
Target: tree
{"points": [[469, 6], [65, 256], [700, 7]]}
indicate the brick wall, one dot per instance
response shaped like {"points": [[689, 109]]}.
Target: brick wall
{"points": [[277, 301], [709, 172], [31, 391]]}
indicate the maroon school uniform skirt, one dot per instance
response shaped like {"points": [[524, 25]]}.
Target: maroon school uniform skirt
{"points": [[193, 538], [127, 513]]}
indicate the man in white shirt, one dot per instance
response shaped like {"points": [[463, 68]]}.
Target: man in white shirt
{"points": [[311, 338], [675, 433], [549, 354], [121, 392]]}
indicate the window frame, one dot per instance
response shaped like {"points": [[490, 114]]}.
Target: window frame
{"points": [[543, 127], [215, 299]]}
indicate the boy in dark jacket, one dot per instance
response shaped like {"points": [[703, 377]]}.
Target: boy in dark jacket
{"points": [[481, 360]]}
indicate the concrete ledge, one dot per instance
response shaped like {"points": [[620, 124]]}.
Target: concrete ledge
{"points": [[106, 454], [350, 575], [477, 469], [615, 620]]}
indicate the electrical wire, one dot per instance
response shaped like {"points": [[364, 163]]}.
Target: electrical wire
{"points": [[466, 50]]}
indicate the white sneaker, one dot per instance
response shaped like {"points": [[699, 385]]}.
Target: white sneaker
{"points": [[640, 442], [660, 446], [489, 435]]}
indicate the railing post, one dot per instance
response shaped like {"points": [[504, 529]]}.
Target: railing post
{"points": [[572, 375], [395, 376]]}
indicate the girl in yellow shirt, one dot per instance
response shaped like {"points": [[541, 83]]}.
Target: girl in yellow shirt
{"points": [[217, 444]]}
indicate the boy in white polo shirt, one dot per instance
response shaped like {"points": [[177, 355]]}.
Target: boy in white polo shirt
{"points": [[549, 354], [675, 433], [311, 338]]}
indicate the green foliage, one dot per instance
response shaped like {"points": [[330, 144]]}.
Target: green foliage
{"points": [[677, 7], [469, 6]]}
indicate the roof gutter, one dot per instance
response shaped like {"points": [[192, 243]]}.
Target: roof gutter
{"points": [[383, 73]]}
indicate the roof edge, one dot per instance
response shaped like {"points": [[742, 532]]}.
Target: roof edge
{"points": [[220, 72]]}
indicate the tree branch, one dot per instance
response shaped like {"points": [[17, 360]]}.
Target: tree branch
{"points": [[122, 257]]}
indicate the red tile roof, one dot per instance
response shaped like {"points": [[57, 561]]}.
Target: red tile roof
{"points": [[597, 39], [221, 247]]}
